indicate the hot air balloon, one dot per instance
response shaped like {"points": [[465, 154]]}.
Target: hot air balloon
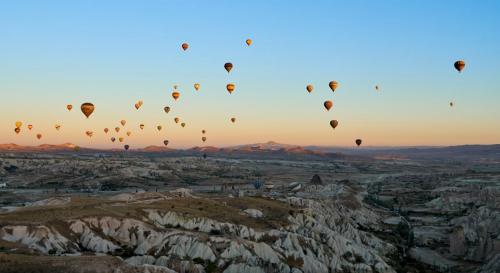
{"points": [[89, 133], [203, 131], [166, 109], [87, 109], [328, 104], [106, 130], [309, 88], [39, 136], [233, 120], [358, 142], [459, 65], [17, 130], [137, 106], [120, 139], [334, 123], [113, 139], [197, 86], [126, 147], [141, 126], [185, 46], [18, 124], [165, 142], [30, 127], [176, 120], [333, 85], [230, 87], [175, 95], [158, 127], [249, 42], [117, 129], [376, 87], [451, 104], [204, 139], [123, 122], [129, 133], [69, 107], [228, 67], [57, 126], [183, 125]]}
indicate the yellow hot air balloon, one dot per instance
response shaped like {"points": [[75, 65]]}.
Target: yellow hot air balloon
{"points": [[17, 130], [228, 67], [117, 129], [309, 88], [39, 136], [140, 102], [333, 85], [120, 139], [69, 107], [176, 95], [158, 127], [123, 122], [106, 130], [233, 120], [328, 104], [57, 126], [129, 133], [230, 87], [459, 65], [166, 109], [30, 127], [197, 86], [183, 125], [87, 109], [334, 123], [185, 46], [176, 120], [18, 124], [249, 42], [204, 139], [141, 126]]}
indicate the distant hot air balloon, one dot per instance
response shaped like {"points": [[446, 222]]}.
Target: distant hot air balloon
{"points": [[249, 42], [158, 127], [451, 104], [204, 139], [166, 109], [126, 147], [30, 127], [333, 85], [87, 109], [129, 133], [39, 136], [17, 130], [176, 95], [69, 107], [106, 130], [183, 125], [185, 46], [334, 123], [233, 120], [230, 87], [328, 104], [113, 139], [228, 67], [89, 133], [377, 87], [137, 106], [141, 126], [459, 65], [197, 86], [57, 126], [165, 142], [309, 88], [18, 124], [117, 129], [120, 139], [203, 131], [358, 142], [176, 120], [123, 122]]}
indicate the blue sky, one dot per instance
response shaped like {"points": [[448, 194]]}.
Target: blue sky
{"points": [[114, 53]]}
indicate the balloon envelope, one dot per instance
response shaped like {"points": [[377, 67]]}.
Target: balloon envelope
{"points": [[334, 123], [333, 85], [69, 107], [165, 142], [228, 67], [87, 109], [358, 142], [175, 95], [185, 46], [166, 109], [249, 42], [197, 86], [459, 65], [328, 104], [309, 88], [230, 87]]}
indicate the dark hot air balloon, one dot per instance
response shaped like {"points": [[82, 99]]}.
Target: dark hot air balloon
{"points": [[328, 104], [87, 109]]}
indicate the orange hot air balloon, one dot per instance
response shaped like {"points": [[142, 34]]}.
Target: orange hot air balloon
{"points": [[57, 126], [129, 133], [17, 130], [158, 127], [459, 65], [309, 88], [106, 130], [126, 147], [183, 125], [249, 42], [166, 109], [30, 127], [117, 129], [141, 126], [333, 85], [39, 136], [165, 142], [18, 124], [230, 87], [175, 95], [328, 104], [89, 133], [69, 107], [120, 139], [228, 67], [123, 122], [176, 120], [334, 123], [87, 109], [358, 142], [204, 139], [185, 46], [233, 120], [197, 86], [203, 131], [113, 139]]}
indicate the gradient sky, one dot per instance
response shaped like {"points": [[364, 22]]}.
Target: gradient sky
{"points": [[113, 53]]}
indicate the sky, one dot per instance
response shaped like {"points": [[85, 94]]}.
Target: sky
{"points": [[114, 53]]}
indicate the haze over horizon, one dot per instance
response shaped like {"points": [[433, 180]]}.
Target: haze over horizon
{"points": [[116, 53]]}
